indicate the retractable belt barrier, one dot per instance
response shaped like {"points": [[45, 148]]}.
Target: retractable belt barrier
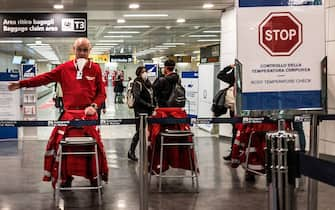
{"points": [[129, 121], [318, 169]]}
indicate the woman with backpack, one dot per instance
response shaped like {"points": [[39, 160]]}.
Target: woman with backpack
{"points": [[144, 103]]}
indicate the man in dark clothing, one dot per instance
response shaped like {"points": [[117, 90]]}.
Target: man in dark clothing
{"points": [[163, 85]]}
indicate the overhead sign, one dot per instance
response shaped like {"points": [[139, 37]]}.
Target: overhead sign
{"points": [[95, 58], [28, 70], [283, 71], [151, 69], [280, 33], [121, 58], [43, 24]]}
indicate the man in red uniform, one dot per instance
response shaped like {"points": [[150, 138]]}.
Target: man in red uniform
{"points": [[83, 89]]}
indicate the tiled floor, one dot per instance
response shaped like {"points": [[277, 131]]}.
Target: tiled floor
{"points": [[221, 187]]}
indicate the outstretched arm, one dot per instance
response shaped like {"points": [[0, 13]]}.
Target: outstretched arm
{"points": [[13, 86]]}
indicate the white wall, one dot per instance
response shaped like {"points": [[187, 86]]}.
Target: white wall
{"points": [[228, 53], [327, 131]]}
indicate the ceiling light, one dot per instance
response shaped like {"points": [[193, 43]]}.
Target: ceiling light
{"points": [[171, 43], [166, 46], [58, 6], [196, 52], [168, 27], [180, 20], [121, 21], [203, 35], [134, 6], [118, 36], [196, 27], [116, 40], [208, 40], [135, 26], [145, 15], [212, 32], [123, 32], [10, 41], [181, 54], [208, 6]]}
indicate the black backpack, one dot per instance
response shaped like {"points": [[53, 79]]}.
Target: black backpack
{"points": [[177, 97], [227, 75], [219, 101]]}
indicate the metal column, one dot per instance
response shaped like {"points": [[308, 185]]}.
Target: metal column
{"points": [[143, 173], [280, 149], [312, 193]]}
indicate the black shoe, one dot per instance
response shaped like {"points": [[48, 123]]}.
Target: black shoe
{"points": [[250, 178], [94, 183], [67, 183], [227, 158], [132, 156]]}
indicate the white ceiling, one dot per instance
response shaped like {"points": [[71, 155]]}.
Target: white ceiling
{"points": [[103, 15]]}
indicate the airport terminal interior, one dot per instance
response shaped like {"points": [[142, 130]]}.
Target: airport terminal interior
{"points": [[201, 37]]}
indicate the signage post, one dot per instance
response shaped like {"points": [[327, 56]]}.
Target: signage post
{"points": [[29, 102]]}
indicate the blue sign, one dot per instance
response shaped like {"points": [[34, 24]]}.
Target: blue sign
{"points": [[270, 3], [151, 67], [28, 71], [282, 100], [189, 74]]}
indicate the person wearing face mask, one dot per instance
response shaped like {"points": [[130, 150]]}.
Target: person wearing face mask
{"points": [[144, 103], [83, 93], [163, 85]]}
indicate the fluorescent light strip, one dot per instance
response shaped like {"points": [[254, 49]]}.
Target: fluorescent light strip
{"points": [[203, 35], [208, 40], [134, 6], [123, 32], [168, 43], [212, 32], [159, 48], [207, 6], [166, 46], [138, 26], [58, 6], [119, 36], [180, 20], [10, 41], [116, 40], [145, 15], [121, 21]]}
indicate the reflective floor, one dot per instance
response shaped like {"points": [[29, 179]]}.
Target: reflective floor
{"points": [[220, 186]]}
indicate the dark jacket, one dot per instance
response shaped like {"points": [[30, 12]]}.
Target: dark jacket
{"points": [[143, 94], [118, 86], [163, 88]]}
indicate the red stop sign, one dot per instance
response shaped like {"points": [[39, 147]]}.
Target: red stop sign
{"points": [[280, 33]]}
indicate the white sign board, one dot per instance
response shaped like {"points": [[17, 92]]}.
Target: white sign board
{"points": [[280, 49]]}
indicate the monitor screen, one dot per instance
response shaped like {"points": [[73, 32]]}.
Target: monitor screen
{"points": [[17, 59]]}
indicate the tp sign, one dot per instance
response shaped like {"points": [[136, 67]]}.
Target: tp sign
{"points": [[280, 34]]}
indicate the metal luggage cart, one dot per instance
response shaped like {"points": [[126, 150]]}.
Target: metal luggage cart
{"points": [[189, 144], [75, 142]]}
